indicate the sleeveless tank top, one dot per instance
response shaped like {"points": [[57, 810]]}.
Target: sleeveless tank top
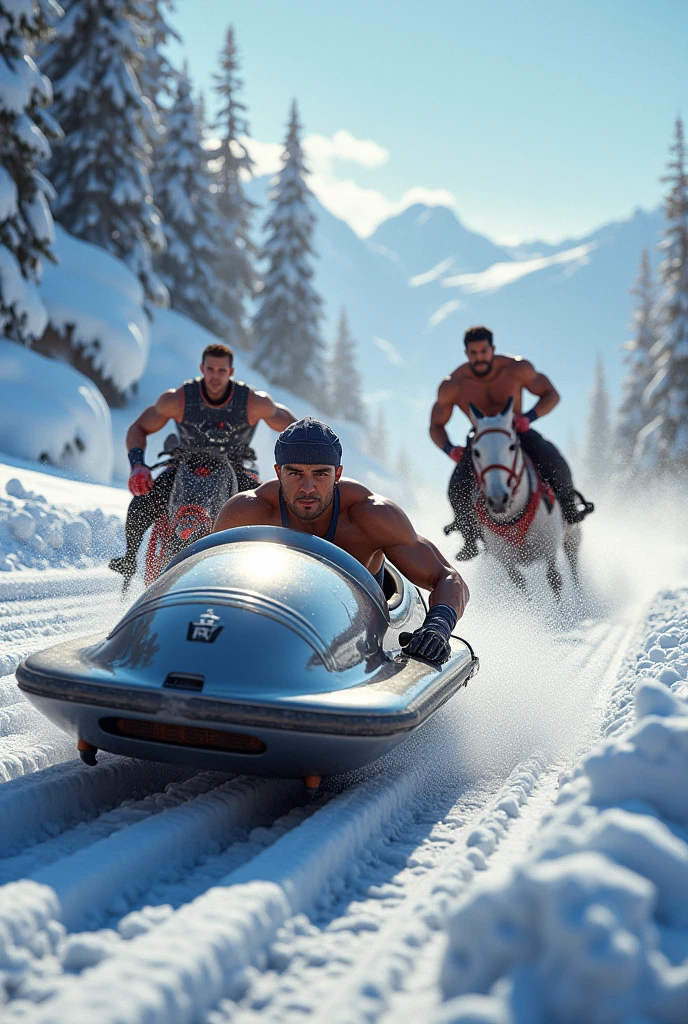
{"points": [[223, 426], [331, 529]]}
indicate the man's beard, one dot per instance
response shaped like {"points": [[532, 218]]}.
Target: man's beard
{"points": [[481, 373], [321, 505]]}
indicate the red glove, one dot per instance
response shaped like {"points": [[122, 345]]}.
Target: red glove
{"points": [[456, 453], [521, 423], [140, 480]]}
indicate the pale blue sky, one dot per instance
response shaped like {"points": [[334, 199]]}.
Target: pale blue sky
{"points": [[542, 119]]}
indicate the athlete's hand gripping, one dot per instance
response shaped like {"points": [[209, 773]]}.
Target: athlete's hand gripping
{"points": [[140, 479], [431, 640], [523, 420], [521, 423], [454, 451]]}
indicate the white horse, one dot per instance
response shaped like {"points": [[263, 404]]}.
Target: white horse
{"points": [[520, 518]]}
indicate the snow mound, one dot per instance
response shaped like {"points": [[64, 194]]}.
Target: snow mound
{"points": [[68, 423], [594, 924], [98, 300], [19, 294], [35, 534]]}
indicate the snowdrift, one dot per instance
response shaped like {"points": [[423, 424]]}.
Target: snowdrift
{"points": [[36, 533], [593, 925], [50, 413], [96, 304], [95, 311]]}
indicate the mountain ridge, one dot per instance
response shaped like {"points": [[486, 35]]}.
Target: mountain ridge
{"points": [[408, 311]]}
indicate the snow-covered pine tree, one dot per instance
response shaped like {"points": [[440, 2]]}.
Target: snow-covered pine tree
{"points": [[100, 169], [190, 219], [230, 158], [670, 387], [636, 408], [597, 455], [288, 347], [26, 226], [157, 76], [345, 386]]}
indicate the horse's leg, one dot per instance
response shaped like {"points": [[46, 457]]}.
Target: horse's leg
{"points": [[554, 577], [571, 545], [516, 577]]}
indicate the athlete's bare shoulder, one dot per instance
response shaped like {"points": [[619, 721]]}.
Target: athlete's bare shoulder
{"points": [[382, 520], [352, 492], [516, 364], [171, 403], [450, 388], [462, 371], [248, 508]]}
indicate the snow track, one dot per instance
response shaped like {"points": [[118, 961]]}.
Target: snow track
{"points": [[37, 609], [224, 898]]}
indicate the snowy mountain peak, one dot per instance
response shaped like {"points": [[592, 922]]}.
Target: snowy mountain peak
{"points": [[424, 236]]}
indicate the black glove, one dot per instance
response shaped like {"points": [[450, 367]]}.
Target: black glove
{"points": [[431, 641]]}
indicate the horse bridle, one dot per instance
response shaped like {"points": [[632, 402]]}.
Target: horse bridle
{"points": [[510, 471]]}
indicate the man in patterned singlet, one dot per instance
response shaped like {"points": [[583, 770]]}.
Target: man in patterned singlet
{"points": [[212, 411]]}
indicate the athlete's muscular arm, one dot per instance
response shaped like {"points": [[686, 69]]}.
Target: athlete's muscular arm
{"points": [[245, 509], [170, 406], [540, 386], [419, 560], [262, 407], [441, 413]]}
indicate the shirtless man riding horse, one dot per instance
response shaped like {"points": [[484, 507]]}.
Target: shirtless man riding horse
{"points": [[488, 381]]}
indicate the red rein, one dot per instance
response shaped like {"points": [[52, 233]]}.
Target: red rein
{"points": [[513, 533], [480, 477]]}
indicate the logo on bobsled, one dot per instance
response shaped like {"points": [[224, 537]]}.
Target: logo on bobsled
{"points": [[207, 629]]}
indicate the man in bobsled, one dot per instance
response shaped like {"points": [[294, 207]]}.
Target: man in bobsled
{"points": [[211, 411], [488, 381], [311, 496]]}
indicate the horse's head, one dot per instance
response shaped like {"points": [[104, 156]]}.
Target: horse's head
{"points": [[497, 456]]}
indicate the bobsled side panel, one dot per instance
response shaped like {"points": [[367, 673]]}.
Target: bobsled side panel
{"points": [[287, 754]]}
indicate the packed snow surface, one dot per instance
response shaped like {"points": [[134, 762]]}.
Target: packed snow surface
{"points": [[593, 924], [521, 860]]}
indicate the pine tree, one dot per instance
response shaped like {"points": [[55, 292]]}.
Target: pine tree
{"points": [[345, 398], [670, 386], [157, 76], [637, 404], [190, 219], [287, 322], [230, 158], [26, 226], [100, 169], [598, 436]]}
